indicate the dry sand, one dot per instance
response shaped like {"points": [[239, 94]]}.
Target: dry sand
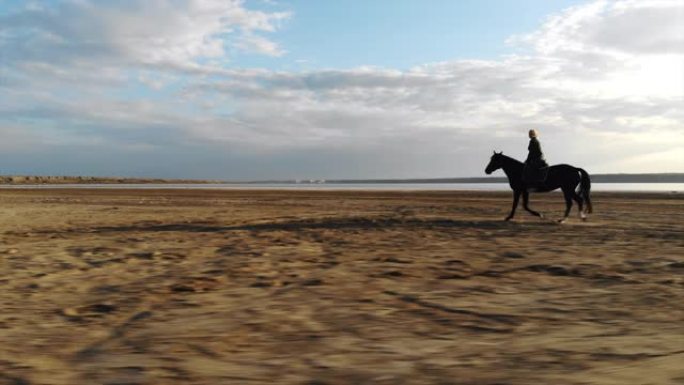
{"points": [[261, 287]]}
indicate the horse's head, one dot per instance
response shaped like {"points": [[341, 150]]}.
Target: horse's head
{"points": [[494, 163]]}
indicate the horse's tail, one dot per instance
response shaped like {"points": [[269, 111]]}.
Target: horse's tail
{"points": [[585, 188]]}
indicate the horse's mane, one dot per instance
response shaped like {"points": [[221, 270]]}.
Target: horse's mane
{"points": [[506, 157]]}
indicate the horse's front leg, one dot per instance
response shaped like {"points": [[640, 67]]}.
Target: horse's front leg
{"points": [[516, 198], [526, 201]]}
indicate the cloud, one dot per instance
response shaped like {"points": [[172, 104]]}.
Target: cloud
{"points": [[135, 32], [612, 28], [603, 82], [259, 44]]}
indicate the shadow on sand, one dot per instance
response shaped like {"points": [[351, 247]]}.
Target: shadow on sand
{"points": [[330, 223]]}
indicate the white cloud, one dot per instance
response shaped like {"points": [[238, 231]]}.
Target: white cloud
{"points": [[135, 32], [612, 27], [259, 44]]}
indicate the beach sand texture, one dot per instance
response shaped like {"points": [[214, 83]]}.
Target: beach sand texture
{"points": [[324, 287]]}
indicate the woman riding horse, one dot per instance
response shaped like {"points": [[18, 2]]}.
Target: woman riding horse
{"points": [[535, 165], [573, 181]]}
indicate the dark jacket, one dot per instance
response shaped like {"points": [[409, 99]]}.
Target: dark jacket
{"points": [[536, 168], [536, 156]]}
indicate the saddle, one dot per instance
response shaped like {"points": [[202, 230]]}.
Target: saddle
{"points": [[534, 177]]}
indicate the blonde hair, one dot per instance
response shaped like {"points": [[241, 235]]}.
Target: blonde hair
{"points": [[533, 133]]}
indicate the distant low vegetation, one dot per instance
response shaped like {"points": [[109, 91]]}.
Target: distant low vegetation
{"points": [[33, 180]]}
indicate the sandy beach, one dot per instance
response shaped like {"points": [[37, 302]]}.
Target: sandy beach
{"points": [[325, 288]]}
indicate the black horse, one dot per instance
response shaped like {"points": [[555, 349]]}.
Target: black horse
{"points": [[561, 176]]}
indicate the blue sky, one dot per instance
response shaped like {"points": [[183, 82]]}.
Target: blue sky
{"points": [[263, 89], [398, 33]]}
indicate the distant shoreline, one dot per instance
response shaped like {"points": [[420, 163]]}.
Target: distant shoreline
{"points": [[59, 180], [596, 178]]}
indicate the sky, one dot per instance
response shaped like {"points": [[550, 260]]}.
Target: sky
{"points": [[270, 89]]}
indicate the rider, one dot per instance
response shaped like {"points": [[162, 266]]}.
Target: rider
{"points": [[535, 164]]}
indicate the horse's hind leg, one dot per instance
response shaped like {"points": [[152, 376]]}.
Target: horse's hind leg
{"points": [[568, 205], [526, 201], [580, 203]]}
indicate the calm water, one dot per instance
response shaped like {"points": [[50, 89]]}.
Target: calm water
{"points": [[636, 187]]}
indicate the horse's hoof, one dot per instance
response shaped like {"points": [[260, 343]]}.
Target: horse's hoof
{"points": [[507, 219], [541, 216], [561, 220], [584, 219]]}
